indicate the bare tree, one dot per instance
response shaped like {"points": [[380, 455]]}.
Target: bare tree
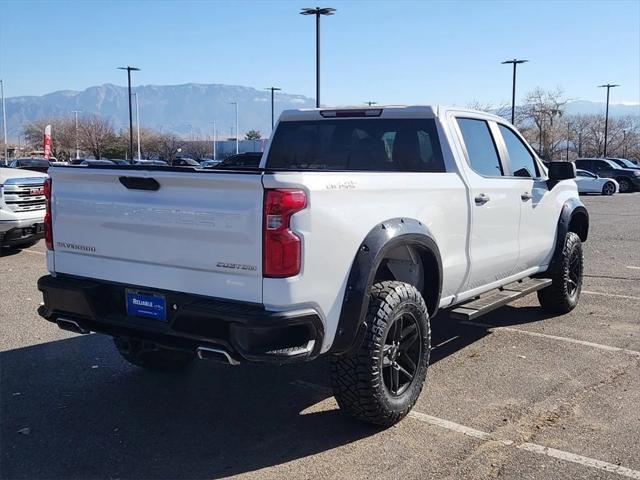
{"points": [[150, 146], [96, 134], [62, 135], [541, 110], [169, 144], [503, 110], [198, 148]]}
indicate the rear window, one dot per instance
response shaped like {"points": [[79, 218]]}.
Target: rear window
{"points": [[393, 145], [34, 163]]}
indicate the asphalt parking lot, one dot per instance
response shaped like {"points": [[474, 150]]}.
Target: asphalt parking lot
{"points": [[519, 395]]}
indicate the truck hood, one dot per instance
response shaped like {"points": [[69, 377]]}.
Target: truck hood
{"points": [[7, 173]]}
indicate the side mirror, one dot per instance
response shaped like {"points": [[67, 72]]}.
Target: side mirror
{"points": [[561, 171]]}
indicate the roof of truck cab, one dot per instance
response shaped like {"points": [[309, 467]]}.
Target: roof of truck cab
{"points": [[387, 111]]}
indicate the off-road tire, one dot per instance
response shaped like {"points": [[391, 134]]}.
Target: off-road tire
{"points": [[607, 188], [150, 357], [357, 378], [566, 275]]}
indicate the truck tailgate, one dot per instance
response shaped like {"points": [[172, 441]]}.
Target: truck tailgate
{"points": [[199, 232]]}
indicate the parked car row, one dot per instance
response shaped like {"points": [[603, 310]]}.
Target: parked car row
{"points": [[606, 173], [242, 160]]}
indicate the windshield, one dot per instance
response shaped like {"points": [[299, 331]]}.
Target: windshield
{"points": [[625, 163], [363, 144], [612, 164]]}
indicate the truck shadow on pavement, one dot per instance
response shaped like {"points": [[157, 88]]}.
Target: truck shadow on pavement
{"points": [[450, 336], [74, 409], [9, 251]]}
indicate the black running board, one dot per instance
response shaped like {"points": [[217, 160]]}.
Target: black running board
{"points": [[477, 307]]}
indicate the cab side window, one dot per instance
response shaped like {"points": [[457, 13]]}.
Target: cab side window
{"points": [[521, 160], [482, 152], [600, 166]]}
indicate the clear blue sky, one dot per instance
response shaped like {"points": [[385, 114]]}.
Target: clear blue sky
{"points": [[385, 51]]}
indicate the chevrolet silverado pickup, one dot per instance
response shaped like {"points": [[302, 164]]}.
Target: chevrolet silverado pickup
{"points": [[357, 226], [22, 207]]}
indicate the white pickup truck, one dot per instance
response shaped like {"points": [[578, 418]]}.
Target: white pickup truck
{"points": [[22, 207], [356, 228]]}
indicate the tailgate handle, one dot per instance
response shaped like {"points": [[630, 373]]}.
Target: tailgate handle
{"points": [[140, 183]]}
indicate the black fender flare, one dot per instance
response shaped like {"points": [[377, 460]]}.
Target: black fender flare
{"points": [[570, 210], [380, 240]]}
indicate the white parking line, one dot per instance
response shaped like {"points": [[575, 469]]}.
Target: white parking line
{"points": [[485, 436], [586, 461], [34, 251], [455, 427], [608, 348], [615, 295], [632, 267]]}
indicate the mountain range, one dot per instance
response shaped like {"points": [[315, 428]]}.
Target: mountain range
{"points": [[186, 110], [190, 109]]}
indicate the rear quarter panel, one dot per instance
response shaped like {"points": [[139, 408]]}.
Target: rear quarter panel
{"points": [[342, 209]]}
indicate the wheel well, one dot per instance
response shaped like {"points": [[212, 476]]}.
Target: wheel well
{"points": [[579, 225], [415, 265]]}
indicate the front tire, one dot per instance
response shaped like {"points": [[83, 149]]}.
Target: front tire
{"points": [[608, 189], [152, 357], [566, 275], [380, 381]]}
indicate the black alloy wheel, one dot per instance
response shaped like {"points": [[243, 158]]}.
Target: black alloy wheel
{"points": [[401, 354]]}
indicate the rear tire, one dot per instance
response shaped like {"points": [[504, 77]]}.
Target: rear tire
{"points": [[380, 381], [151, 357], [624, 185], [563, 293], [608, 189]]}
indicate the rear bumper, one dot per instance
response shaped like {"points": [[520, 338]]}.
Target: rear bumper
{"points": [[246, 330]]}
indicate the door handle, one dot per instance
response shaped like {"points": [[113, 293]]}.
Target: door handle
{"points": [[526, 196], [481, 199]]}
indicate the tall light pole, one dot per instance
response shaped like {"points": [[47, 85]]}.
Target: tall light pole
{"points": [[214, 139], [129, 70], [77, 142], [138, 124], [515, 62], [608, 86], [273, 89], [4, 124], [236, 104], [317, 12], [568, 137]]}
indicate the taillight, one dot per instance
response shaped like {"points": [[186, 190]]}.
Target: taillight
{"points": [[48, 227], [281, 247]]}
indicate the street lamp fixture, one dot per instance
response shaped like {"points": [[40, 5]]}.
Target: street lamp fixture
{"points": [[273, 89], [129, 70], [515, 62], [608, 86], [371, 103], [317, 11]]}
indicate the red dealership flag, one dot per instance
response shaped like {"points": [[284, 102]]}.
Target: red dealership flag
{"points": [[47, 142]]}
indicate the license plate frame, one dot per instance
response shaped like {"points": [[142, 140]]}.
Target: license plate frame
{"points": [[143, 304]]}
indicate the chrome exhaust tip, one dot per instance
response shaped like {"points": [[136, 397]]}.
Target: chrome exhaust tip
{"points": [[71, 326], [216, 355]]}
